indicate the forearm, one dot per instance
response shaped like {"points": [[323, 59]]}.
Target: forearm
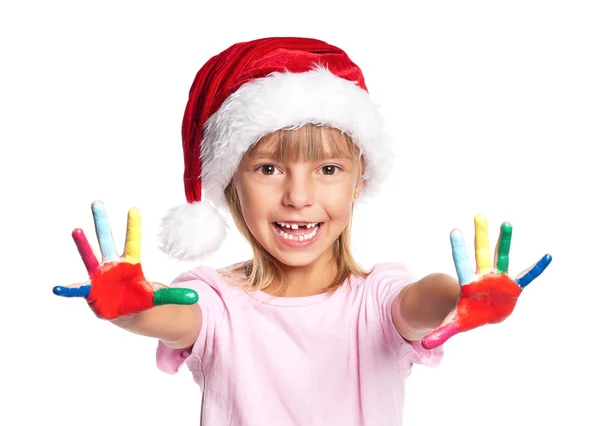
{"points": [[423, 306], [177, 326]]}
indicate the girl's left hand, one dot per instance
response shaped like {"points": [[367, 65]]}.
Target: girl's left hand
{"points": [[489, 295]]}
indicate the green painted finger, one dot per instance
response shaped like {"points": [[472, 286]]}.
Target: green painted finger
{"points": [[175, 296], [504, 247]]}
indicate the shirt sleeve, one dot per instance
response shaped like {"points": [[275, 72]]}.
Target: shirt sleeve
{"points": [[206, 283], [391, 279]]}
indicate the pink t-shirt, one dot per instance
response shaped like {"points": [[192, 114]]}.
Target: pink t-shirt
{"points": [[325, 360]]}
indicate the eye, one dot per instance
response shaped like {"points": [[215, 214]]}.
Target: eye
{"points": [[267, 169], [330, 169]]}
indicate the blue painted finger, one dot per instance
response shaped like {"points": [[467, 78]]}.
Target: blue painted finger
{"points": [[534, 272], [105, 238], [464, 270], [82, 291]]}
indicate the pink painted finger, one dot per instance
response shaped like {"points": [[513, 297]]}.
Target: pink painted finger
{"points": [[439, 336], [85, 251]]}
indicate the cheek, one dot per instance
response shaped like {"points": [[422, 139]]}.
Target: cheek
{"points": [[254, 205], [338, 205]]}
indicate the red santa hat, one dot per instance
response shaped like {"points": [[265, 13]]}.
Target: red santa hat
{"points": [[246, 92]]}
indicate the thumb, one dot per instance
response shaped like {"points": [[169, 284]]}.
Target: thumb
{"points": [[448, 328]]}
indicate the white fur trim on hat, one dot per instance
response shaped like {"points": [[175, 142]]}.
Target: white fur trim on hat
{"points": [[291, 100], [262, 106], [192, 231]]}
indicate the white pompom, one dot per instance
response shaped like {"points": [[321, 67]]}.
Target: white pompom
{"points": [[192, 231]]}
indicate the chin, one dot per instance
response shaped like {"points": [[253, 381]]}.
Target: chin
{"points": [[295, 259]]}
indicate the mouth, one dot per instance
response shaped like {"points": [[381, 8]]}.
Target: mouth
{"points": [[297, 234]]}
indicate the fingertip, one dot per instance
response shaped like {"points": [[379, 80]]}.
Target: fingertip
{"points": [[456, 238], [506, 227], [189, 297], [480, 218], [134, 212], [430, 341], [77, 233], [58, 290], [426, 345], [97, 206]]}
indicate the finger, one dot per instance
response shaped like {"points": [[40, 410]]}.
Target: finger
{"points": [[133, 239], [85, 251], [534, 272], [439, 336], [503, 248], [81, 291], [464, 270], [105, 238], [175, 296], [482, 245]]}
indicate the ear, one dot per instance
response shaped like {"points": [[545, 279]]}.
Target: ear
{"points": [[235, 179], [359, 187], [360, 181]]}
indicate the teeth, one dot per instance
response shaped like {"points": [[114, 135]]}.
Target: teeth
{"points": [[303, 237], [295, 225]]}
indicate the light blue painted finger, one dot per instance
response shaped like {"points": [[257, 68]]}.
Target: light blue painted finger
{"points": [[464, 270], [105, 238], [534, 272]]}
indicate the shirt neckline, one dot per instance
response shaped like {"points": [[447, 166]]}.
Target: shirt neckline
{"points": [[267, 299]]}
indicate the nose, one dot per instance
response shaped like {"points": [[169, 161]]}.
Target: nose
{"points": [[298, 192]]}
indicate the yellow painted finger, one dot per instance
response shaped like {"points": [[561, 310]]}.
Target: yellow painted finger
{"points": [[482, 245], [133, 239]]}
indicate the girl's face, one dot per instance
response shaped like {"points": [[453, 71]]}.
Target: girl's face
{"points": [[297, 208]]}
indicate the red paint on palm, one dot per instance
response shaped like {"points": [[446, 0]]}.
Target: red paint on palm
{"points": [[120, 289], [487, 301]]}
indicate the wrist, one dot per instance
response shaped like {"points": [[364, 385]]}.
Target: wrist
{"points": [[431, 299]]}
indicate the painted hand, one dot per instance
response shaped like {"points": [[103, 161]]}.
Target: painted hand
{"points": [[117, 286], [489, 295]]}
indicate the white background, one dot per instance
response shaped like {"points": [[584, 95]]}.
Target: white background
{"points": [[494, 107]]}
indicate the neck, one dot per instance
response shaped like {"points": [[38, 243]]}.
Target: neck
{"points": [[306, 280]]}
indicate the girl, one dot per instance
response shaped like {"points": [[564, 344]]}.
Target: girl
{"points": [[282, 132]]}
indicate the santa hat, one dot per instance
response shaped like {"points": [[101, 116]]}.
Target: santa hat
{"points": [[246, 92]]}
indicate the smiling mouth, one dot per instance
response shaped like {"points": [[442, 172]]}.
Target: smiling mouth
{"points": [[297, 233]]}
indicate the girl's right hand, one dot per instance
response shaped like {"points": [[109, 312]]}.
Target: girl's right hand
{"points": [[117, 287]]}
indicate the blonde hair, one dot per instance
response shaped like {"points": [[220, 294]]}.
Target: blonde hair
{"points": [[305, 143]]}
